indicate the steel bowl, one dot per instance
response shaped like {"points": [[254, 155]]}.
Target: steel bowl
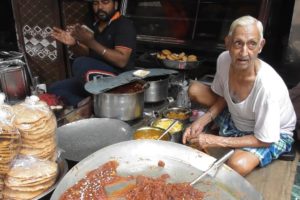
{"points": [[178, 113], [175, 132], [150, 133]]}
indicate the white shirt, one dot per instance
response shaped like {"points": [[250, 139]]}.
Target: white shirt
{"points": [[267, 111]]}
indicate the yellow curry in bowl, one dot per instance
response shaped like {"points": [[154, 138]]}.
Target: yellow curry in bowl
{"points": [[178, 113], [150, 133], [164, 123]]}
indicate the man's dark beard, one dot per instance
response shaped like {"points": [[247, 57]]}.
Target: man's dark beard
{"points": [[104, 16]]}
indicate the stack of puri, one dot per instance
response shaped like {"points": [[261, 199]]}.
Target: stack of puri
{"points": [[29, 179], [1, 186], [37, 125], [9, 147], [9, 142]]}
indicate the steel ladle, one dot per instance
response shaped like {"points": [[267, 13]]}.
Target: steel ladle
{"points": [[168, 129], [215, 165]]}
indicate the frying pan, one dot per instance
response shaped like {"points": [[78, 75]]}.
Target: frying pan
{"points": [[182, 163], [81, 138]]}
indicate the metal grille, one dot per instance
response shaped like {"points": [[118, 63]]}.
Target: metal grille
{"points": [[34, 21], [73, 11]]}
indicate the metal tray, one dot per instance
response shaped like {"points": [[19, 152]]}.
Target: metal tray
{"points": [[182, 163], [174, 64], [179, 65], [63, 169]]}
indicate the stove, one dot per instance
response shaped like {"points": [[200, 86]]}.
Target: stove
{"points": [[157, 107], [177, 96], [151, 111]]}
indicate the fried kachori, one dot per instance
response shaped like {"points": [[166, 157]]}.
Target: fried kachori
{"points": [[181, 57]]}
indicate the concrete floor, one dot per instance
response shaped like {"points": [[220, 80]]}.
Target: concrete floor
{"points": [[275, 181]]}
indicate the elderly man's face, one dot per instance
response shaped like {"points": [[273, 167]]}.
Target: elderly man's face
{"points": [[104, 9], [244, 46]]}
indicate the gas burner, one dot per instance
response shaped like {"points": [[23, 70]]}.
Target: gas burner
{"points": [[157, 107], [151, 111], [156, 104], [135, 122]]}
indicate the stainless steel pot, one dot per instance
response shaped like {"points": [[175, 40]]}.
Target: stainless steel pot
{"points": [[182, 163], [14, 83], [158, 89], [125, 106]]}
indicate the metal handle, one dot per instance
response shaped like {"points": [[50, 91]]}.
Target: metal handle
{"points": [[219, 162], [215, 165], [146, 86], [12, 62], [168, 129]]}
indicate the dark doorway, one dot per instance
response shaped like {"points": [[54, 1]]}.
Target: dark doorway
{"points": [[8, 40]]}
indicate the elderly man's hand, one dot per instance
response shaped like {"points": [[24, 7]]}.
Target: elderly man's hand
{"points": [[82, 34], [202, 141], [193, 131]]}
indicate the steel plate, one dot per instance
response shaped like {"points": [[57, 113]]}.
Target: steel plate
{"points": [[82, 138], [182, 163]]}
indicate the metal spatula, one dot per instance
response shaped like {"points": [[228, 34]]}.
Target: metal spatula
{"points": [[214, 166], [112, 191]]}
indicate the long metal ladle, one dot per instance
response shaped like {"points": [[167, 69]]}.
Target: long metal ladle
{"points": [[215, 165], [168, 129]]}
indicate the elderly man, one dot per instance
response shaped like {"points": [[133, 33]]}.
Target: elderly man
{"points": [[248, 100], [106, 47]]}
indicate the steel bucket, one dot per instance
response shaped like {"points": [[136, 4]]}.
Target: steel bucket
{"points": [[158, 89]]}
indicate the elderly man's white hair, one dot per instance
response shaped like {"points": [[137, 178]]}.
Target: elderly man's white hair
{"points": [[245, 21]]}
